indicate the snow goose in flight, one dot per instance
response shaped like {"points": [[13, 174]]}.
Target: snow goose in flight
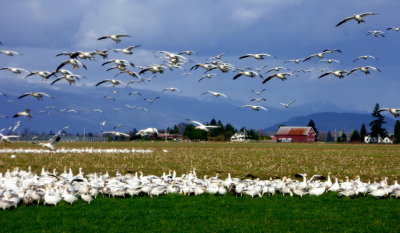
{"points": [[364, 69], [102, 53], [208, 76], [128, 50], [356, 17], [61, 71], [337, 73], [109, 97], [131, 73], [15, 70], [135, 93], [43, 74], [78, 54], [287, 105], [214, 93], [281, 76], [205, 66], [258, 92], [258, 99], [250, 74], [118, 126], [114, 37], [397, 29], [154, 69], [202, 126], [297, 61], [173, 57], [255, 107], [6, 139], [114, 82], [187, 52], [329, 61], [37, 95], [365, 57], [322, 54], [148, 131], [25, 113], [98, 110], [152, 100], [119, 62], [172, 89], [218, 57], [223, 67], [51, 144], [116, 133], [72, 61], [71, 78], [394, 111], [10, 53], [376, 33], [277, 69], [258, 56]]}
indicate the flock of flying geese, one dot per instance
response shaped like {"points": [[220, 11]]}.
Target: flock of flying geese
{"points": [[173, 61], [19, 187]]}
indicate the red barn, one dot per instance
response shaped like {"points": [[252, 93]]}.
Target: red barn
{"points": [[295, 134]]}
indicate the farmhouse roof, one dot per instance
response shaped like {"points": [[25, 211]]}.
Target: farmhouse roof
{"points": [[294, 130]]}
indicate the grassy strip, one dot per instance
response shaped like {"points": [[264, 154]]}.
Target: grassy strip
{"points": [[174, 213]]}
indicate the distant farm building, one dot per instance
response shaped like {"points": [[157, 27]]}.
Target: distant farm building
{"points": [[295, 134], [239, 137]]}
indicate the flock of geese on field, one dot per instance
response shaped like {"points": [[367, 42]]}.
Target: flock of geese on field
{"points": [[178, 61], [19, 187]]}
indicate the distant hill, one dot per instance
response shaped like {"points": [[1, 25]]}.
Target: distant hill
{"points": [[330, 121]]}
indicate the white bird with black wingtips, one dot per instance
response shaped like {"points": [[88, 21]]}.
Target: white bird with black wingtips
{"points": [[201, 126]]}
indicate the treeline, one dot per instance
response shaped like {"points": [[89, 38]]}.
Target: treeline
{"points": [[376, 130], [223, 133]]}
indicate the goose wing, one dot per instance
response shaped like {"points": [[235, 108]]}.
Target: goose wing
{"points": [[238, 75], [104, 81], [367, 13], [344, 21], [383, 109], [247, 55], [195, 122], [212, 126], [269, 78], [24, 95], [325, 74], [62, 64], [103, 37], [374, 68], [56, 80], [45, 94]]}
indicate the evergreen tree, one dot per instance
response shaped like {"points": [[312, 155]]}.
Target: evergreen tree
{"points": [[355, 136], [376, 125], [175, 130], [229, 131], [363, 132], [311, 123], [397, 132], [342, 138]]}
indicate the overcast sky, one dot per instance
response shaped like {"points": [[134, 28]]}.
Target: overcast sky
{"points": [[287, 29]]}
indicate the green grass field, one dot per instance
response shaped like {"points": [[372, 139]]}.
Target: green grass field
{"points": [[175, 213]]}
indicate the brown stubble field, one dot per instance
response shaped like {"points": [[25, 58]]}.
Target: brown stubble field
{"points": [[261, 160]]}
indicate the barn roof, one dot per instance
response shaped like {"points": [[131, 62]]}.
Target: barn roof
{"points": [[293, 130]]}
